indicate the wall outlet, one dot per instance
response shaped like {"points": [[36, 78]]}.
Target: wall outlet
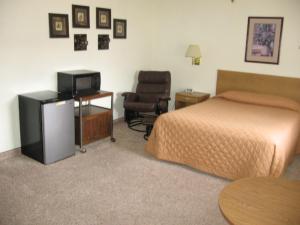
{"points": [[188, 90]]}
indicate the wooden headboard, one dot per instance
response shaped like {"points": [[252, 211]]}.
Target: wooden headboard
{"points": [[258, 83]]}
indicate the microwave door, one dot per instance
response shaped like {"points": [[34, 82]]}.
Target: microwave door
{"points": [[83, 83]]}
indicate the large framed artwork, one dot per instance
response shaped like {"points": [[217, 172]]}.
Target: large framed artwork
{"points": [[263, 39], [81, 16], [103, 18], [58, 25], [120, 28]]}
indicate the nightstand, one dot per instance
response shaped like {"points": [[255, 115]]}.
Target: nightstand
{"points": [[183, 99]]}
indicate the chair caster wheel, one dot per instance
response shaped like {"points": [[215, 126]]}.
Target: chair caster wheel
{"points": [[83, 150], [112, 139]]}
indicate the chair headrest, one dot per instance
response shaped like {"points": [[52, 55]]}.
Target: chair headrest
{"points": [[154, 77]]}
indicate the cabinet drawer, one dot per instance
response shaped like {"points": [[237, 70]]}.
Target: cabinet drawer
{"points": [[189, 99]]}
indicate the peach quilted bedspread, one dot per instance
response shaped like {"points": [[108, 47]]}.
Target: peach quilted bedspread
{"points": [[228, 137]]}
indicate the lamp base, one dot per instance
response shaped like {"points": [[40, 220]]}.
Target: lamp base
{"points": [[196, 61]]}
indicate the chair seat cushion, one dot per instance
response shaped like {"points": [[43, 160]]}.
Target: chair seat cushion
{"points": [[140, 106]]}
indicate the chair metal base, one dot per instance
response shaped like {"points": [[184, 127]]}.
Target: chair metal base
{"points": [[135, 122], [149, 128], [141, 119]]}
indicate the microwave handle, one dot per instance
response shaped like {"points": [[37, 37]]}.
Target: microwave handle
{"points": [[98, 82]]}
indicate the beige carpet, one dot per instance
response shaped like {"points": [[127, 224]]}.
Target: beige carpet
{"points": [[112, 184]]}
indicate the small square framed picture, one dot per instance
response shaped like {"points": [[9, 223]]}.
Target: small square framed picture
{"points": [[120, 28], [58, 25], [103, 41], [103, 18], [81, 16]]}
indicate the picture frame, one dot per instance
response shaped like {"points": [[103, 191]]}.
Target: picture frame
{"points": [[103, 18], [80, 42], [81, 16], [58, 25], [264, 39], [120, 29], [103, 41]]}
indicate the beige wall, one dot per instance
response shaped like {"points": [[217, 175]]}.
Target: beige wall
{"points": [[219, 27], [159, 32], [29, 59]]}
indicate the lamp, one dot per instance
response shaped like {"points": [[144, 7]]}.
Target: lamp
{"points": [[193, 51]]}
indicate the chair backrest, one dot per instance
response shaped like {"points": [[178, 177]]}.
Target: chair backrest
{"points": [[152, 84]]}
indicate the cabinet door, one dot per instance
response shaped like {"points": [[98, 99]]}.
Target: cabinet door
{"points": [[94, 127], [97, 127], [58, 130]]}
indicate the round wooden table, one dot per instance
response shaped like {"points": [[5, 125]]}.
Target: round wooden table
{"points": [[261, 201]]}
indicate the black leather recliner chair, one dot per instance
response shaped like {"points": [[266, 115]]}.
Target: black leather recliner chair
{"points": [[151, 96]]}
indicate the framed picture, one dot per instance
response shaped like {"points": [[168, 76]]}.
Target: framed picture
{"points": [[120, 28], [103, 18], [103, 41], [80, 42], [263, 39], [81, 16], [58, 25]]}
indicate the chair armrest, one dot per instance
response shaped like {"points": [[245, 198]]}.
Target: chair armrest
{"points": [[163, 103], [164, 98], [124, 94], [129, 96]]}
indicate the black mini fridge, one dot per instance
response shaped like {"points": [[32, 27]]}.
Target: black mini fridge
{"points": [[47, 126]]}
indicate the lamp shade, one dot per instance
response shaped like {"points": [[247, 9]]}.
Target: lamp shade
{"points": [[193, 51]]}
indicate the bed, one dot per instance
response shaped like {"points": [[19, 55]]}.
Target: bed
{"points": [[247, 130]]}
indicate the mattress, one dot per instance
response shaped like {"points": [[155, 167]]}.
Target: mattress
{"points": [[233, 135]]}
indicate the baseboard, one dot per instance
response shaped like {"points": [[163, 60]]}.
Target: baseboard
{"points": [[10, 153], [17, 151]]}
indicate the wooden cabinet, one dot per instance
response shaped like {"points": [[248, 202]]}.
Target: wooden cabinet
{"points": [[93, 122], [96, 124], [183, 99]]}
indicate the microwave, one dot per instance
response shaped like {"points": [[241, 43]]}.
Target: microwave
{"points": [[78, 82]]}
